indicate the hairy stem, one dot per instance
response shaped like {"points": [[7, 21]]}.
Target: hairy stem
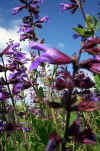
{"points": [[66, 135], [81, 9]]}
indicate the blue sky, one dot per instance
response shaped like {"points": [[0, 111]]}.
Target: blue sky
{"points": [[57, 33]]}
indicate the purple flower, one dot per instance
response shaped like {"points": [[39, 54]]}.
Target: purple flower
{"points": [[26, 129], [74, 129], [12, 75], [87, 137], [88, 105], [17, 10], [17, 88], [91, 43], [90, 46], [76, 35], [19, 57], [36, 111], [17, 76], [66, 6], [23, 37], [92, 97], [43, 19], [64, 81], [95, 67], [92, 64], [96, 58], [4, 95], [73, 7], [11, 48], [83, 81], [92, 51], [50, 55], [25, 28]]}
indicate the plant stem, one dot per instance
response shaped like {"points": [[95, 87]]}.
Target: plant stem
{"points": [[81, 9], [13, 103], [67, 122]]}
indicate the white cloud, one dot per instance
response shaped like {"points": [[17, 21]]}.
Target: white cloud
{"points": [[6, 34], [10, 33]]}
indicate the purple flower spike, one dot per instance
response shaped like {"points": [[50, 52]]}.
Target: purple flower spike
{"points": [[50, 55], [17, 10]]}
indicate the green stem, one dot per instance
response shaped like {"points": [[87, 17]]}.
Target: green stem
{"points": [[52, 110], [50, 99]]}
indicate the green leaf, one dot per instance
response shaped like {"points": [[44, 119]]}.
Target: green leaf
{"points": [[97, 80], [72, 118], [80, 31], [96, 23], [84, 32], [92, 23], [55, 69], [89, 22]]}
